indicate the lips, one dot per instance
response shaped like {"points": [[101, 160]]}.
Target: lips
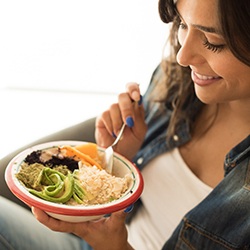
{"points": [[204, 77], [204, 80]]}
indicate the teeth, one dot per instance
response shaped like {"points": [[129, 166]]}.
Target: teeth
{"points": [[202, 77]]}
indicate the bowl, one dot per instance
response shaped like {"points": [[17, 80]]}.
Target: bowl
{"points": [[79, 213]]}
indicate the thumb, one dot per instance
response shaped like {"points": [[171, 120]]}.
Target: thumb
{"points": [[120, 216]]}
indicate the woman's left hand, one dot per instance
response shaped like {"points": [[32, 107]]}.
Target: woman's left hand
{"points": [[105, 233]]}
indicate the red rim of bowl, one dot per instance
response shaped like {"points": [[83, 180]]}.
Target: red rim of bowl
{"points": [[22, 193]]}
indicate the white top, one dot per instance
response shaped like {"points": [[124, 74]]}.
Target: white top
{"points": [[171, 190]]}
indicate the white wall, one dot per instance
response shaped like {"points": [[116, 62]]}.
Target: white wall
{"points": [[78, 46]]}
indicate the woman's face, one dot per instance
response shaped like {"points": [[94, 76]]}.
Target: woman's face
{"points": [[218, 75]]}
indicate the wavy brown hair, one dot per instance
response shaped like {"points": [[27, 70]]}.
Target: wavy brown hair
{"points": [[234, 18]]}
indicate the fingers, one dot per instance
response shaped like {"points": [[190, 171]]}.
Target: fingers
{"points": [[134, 91], [42, 217], [116, 118], [130, 103], [80, 229], [106, 233], [126, 110], [118, 218], [111, 120]]}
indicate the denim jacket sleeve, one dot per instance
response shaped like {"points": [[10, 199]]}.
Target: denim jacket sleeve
{"points": [[222, 220]]}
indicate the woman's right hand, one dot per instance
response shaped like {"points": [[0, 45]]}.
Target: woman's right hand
{"points": [[129, 110]]}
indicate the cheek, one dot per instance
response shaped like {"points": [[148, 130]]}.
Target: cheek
{"points": [[220, 70], [235, 79], [229, 69], [223, 64]]}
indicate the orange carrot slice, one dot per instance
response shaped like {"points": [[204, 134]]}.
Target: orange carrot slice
{"points": [[88, 149], [79, 156]]}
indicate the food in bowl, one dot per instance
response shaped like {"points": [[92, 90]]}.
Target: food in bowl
{"points": [[72, 175], [52, 166]]}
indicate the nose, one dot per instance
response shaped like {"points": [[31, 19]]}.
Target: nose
{"points": [[190, 53]]}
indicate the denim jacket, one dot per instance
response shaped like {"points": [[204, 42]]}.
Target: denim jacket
{"points": [[222, 219]]}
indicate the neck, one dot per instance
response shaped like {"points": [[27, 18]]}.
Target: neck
{"points": [[231, 119]]}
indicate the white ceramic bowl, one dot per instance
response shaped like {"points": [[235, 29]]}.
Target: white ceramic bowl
{"points": [[122, 166]]}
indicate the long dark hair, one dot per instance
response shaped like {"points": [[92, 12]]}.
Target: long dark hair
{"points": [[234, 18]]}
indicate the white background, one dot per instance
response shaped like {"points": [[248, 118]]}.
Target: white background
{"points": [[64, 61]]}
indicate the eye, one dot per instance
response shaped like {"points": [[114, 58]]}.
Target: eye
{"points": [[182, 25], [213, 47]]}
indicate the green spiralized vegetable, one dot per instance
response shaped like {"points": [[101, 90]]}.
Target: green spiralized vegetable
{"points": [[57, 187], [60, 188]]}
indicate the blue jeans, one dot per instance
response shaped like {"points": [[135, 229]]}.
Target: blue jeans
{"points": [[19, 230]]}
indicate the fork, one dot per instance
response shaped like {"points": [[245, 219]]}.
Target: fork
{"points": [[109, 152]]}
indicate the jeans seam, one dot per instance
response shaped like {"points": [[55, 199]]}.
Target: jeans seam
{"points": [[6, 243], [187, 224]]}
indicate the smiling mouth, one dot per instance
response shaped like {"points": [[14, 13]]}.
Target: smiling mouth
{"points": [[204, 80], [204, 77]]}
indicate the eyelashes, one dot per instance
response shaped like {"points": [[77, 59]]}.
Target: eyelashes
{"points": [[213, 47]]}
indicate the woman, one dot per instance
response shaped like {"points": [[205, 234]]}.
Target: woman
{"points": [[190, 137]]}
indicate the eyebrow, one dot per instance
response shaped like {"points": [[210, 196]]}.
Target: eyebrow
{"points": [[201, 27], [206, 29]]}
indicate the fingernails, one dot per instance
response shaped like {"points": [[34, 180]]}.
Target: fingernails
{"points": [[114, 135], [129, 209], [130, 121], [140, 101]]}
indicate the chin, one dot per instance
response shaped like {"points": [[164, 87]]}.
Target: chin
{"points": [[206, 96], [206, 99]]}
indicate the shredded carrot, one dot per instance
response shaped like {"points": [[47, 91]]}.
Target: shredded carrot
{"points": [[78, 155]]}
